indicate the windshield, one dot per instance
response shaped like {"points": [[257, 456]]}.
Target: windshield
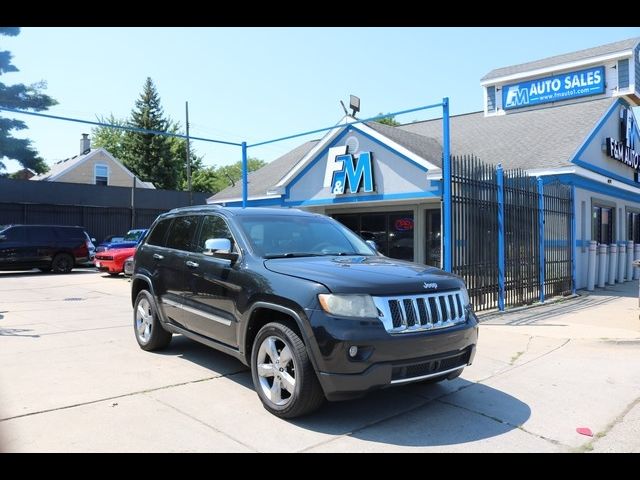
{"points": [[289, 236], [132, 236]]}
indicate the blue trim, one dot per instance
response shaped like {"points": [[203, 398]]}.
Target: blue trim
{"points": [[541, 236], [446, 183], [319, 155], [501, 256], [595, 130], [333, 143], [574, 253], [391, 149], [245, 174], [606, 173], [364, 198], [594, 186]]}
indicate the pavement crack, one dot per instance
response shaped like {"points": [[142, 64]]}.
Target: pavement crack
{"points": [[503, 422], [124, 395], [588, 446], [196, 419]]}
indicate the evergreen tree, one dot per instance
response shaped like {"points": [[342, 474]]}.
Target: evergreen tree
{"points": [[23, 97], [111, 139], [146, 154]]}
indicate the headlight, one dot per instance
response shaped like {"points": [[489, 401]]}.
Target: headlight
{"points": [[348, 305], [465, 297]]}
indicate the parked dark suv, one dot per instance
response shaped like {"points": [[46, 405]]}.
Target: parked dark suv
{"points": [[306, 303], [47, 247]]}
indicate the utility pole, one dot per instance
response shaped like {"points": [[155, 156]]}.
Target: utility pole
{"points": [[188, 157]]}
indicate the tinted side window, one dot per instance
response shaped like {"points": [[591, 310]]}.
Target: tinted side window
{"points": [[69, 233], [182, 233], [213, 226], [40, 234], [159, 233], [15, 234]]}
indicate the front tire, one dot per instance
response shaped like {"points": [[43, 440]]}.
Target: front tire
{"points": [[282, 373], [148, 330]]}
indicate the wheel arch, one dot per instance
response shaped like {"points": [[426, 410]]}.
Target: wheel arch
{"points": [[262, 313]]}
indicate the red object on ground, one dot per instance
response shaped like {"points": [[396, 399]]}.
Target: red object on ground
{"points": [[112, 261], [584, 431]]}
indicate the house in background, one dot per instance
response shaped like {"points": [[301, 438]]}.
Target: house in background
{"points": [[24, 174], [94, 167]]}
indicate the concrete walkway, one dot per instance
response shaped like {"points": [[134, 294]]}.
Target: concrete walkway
{"points": [[73, 379]]}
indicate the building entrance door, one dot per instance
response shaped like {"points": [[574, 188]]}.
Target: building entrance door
{"points": [[432, 237]]}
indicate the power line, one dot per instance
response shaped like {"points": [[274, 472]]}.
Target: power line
{"points": [[121, 127]]}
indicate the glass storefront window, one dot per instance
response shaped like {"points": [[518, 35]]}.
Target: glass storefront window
{"points": [[602, 221], [393, 232], [633, 226]]}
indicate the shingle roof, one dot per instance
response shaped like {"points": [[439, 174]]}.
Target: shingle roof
{"points": [[564, 58], [428, 148], [60, 166], [541, 138], [266, 177], [68, 163]]}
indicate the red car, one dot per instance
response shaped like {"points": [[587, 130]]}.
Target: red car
{"points": [[112, 261]]}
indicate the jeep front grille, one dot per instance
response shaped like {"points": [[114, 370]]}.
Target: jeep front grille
{"points": [[414, 313]]}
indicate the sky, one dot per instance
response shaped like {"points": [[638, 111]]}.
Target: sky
{"points": [[255, 84]]}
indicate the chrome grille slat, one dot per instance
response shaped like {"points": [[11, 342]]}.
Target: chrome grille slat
{"points": [[413, 313]]}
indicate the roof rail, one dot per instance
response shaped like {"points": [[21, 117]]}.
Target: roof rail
{"points": [[195, 206]]}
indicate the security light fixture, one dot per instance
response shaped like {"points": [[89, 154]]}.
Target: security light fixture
{"points": [[354, 104]]}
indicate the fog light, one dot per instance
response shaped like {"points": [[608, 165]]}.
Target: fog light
{"points": [[353, 351]]}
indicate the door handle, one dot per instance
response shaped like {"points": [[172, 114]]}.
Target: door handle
{"points": [[191, 264], [157, 256]]}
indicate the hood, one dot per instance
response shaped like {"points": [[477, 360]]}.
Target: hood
{"points": [[112, 245], [367, 274]]}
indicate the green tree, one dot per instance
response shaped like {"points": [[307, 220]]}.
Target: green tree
{"points": [[214, 179], [389, 120], [111, 139], [23, 97], [146, 154]]}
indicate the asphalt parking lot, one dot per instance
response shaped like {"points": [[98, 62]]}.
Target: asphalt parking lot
{"points": [[73, 379]]}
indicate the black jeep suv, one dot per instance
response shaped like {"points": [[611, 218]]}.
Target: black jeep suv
{"points": [[306, 303], [47, 247]]}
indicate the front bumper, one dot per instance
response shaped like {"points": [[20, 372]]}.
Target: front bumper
{"points": [[385, 359]]}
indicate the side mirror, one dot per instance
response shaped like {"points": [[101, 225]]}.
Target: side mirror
{"points": [[372, 244], [93, 240], [219, 248]]}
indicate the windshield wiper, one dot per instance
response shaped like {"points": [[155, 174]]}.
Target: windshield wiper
{"points": [[340, 254], [291, 255]]}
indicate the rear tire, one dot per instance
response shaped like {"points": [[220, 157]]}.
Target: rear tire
{"points": [[62, 263], [282, 373], [148, 330]]}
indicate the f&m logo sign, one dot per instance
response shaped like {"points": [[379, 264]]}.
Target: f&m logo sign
{"points": [[343, 168]]}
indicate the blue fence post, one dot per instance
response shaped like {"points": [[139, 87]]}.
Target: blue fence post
{"points": [[541, 234], [574, 253], [501, 257], [245, 174], [446, 187]]}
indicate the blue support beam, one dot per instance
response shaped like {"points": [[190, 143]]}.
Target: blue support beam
{"points": [[446, 188], [245, 175], [574, 253], [501, 253], [541, 235]]}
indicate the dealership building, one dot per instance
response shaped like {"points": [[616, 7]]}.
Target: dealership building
{"points": [[566, 118]]}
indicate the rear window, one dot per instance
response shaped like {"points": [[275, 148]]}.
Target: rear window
{"points": [[159, 232], [41, 234], [69, 233]]}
